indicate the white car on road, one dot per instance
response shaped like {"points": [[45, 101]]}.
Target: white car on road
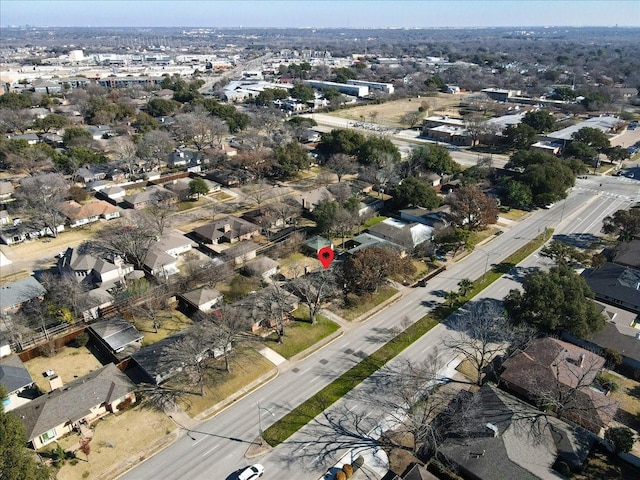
{"points": [[252, 472]]}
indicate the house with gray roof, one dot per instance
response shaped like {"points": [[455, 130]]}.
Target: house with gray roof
{"points": [[202, 299], [309, 200], [14, 294], [15, 378], [143, 199], [116, 334], [159, 263], [82, 401], [91, 270], [628, 254], [617, 285], [263, 267], [510, 439]]}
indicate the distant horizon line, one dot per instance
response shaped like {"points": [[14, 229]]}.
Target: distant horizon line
{"points": [[326, 28]]}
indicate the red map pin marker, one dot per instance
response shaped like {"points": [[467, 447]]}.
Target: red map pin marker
{"points": [[325, 255]]}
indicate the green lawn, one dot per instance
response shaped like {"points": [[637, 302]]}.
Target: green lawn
{"points": [[366, 303], [372, 221], [300, 334], [186, 205]]}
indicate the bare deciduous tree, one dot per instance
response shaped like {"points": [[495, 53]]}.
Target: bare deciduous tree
{"points": [[130, 239], [154, 146], [341, 164], [39, 197], [161, 206], [481, 331], [314, 289]]}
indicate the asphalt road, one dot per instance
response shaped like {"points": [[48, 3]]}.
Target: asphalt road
{"points": [[215, 450]]}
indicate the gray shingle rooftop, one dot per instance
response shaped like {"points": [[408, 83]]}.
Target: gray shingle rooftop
{"points": [[13, 374], [74, 401], [117, 333]]}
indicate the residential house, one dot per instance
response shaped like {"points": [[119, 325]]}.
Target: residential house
{"points": [[182, 158], [116, 334], [117, 175], [15, 379], [510, 439], [617, 285], [366, 240], [14, 294], [202, 299], [78, 215], [437, 217], [20, 232], [228, 178], [54, 139], [618, 335], [97, 185], [113, 194], [139, 201], [174, 244], [316, 243], [241, 252], [30, 138], [93, 302], [628, 254], [407, 235], [551, 367], [370, 207], [54, 414], [101, 131], [309, 200], [157, 362], [263, 306], [6, 191], [228, 229], [263, 267], [159, 264], [91, 173], [91, 270]]}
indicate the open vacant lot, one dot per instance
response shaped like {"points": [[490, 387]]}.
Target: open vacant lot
{"points": [[390, 113]]}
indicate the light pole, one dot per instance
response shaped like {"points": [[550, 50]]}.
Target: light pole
{"points": [[486, 263], [260, 432]]}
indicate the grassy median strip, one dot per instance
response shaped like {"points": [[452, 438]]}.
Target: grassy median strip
{"points": [[308, 410], [314, 406]]}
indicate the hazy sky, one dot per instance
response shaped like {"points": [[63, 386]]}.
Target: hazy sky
{"points": [[320, 13]]}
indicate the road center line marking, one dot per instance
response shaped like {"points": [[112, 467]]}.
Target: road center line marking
{"points": [[209, 451]]}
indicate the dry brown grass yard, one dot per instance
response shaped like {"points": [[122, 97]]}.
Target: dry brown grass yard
{"points": [[115, 439], [390, 113], [69, 363]]}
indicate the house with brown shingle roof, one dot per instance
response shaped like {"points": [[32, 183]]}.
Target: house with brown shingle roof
{"points": [[82, 401], [78, 214], [557, 372], [228, 229]]}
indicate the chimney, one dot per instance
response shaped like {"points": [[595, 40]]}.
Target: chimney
{"points": [[226, 228], [581, 360], [55, 382]]}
